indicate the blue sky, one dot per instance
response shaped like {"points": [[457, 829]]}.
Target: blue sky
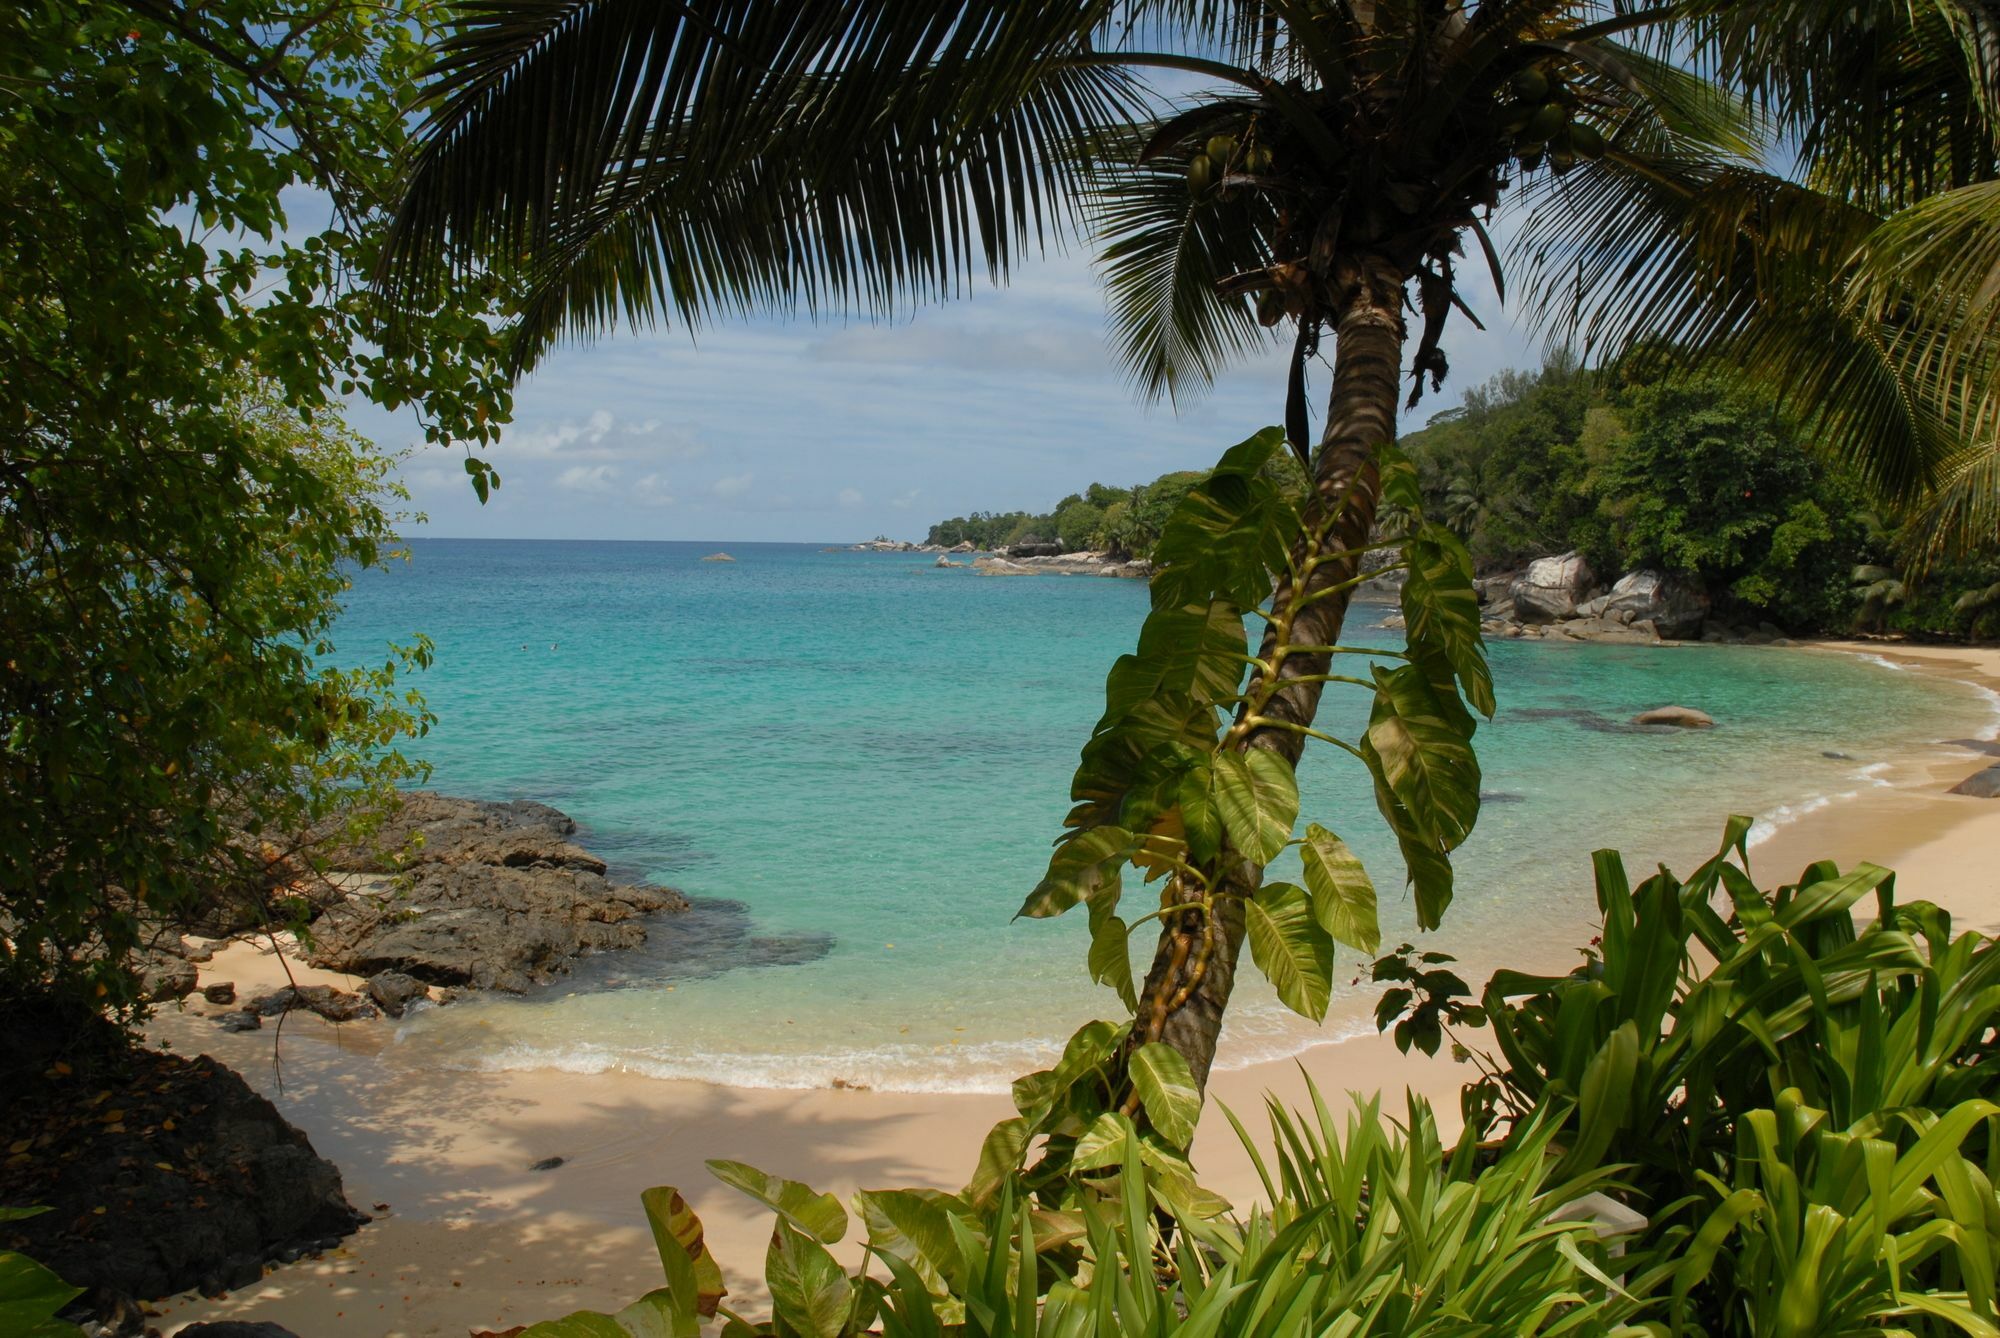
{"points": [[1005, 399]]}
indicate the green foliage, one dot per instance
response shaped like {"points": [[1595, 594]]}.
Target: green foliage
{"points": [[1171, 787], [30, 1295], [1804, 1106], [1124, 521], [1692, 475], [1372, 1230], [189, 198]]}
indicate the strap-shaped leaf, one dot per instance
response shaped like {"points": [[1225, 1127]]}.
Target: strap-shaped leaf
{"points": [[1111, 957], [692, 1273], [1343, 896], [1085, 865], [818, 1215], [810, 1291], [1258, 797], [1167, 1090], [1428, 764], [1441, 609], [1290, 948]]}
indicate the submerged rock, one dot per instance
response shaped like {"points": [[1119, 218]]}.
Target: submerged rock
{"points": [[1682, 717], [718, 557]]}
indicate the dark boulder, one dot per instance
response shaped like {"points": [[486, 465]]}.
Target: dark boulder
{"points": [[1981, 784], [393, 991], [487, 926], [162, 1174], [332, 1004]]}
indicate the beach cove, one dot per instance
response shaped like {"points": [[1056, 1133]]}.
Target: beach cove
{"points": [[426, 1123]]}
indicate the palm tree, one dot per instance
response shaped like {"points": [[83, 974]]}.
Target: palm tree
{"points": [[643, 161], [1862, 283]]}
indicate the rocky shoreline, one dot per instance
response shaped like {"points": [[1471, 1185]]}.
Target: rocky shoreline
{"points": [[1561, 598], [165, 1174]]}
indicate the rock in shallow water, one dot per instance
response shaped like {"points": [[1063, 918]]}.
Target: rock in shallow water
{"points": [[1681, 717], [1981, 784]]}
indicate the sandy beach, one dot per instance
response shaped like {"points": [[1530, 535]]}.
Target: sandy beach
{"points": [[467, 1237]]}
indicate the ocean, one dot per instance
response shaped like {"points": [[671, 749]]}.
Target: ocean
{"points": [[854, 764]]}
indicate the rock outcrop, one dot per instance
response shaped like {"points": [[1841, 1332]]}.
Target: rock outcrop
{"points": [[1551, 588], [162, 1174], [1981, 784], [493, 896], [1063, 564], [1675, 607]]}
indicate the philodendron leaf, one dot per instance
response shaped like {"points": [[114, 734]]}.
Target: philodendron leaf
{"points": [[1228, 534], [1111, 958], [1085, 865], [1424, 851], [818, 1215], [30, 1294], [1290, 948], [1343, 897], [692, 1274], [1000, 1155], [810, 1292], [1201, 821], [1258, 798], [1103, 1143], [1428, 765], [1440, 608], [1198, 651], [911, 1225], [1167, 1090]]}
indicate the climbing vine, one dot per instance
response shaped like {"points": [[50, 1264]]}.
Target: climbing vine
{"points": [[1173, 787]]}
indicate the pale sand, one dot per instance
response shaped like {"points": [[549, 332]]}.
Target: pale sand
{"points": [[472, 1239]]}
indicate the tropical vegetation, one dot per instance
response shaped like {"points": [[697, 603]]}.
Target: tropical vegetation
{"points": [[189, 200], [1744, 1113]]}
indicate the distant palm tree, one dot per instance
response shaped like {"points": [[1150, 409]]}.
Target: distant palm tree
{"points": [[640, 160]]}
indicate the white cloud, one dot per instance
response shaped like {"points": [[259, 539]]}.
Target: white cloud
{"points": [[652, 491], [907, 500], [732, 485], [587, 478], [851, 497]]}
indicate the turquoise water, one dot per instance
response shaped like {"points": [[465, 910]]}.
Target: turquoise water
{"points": [[854, 763]]}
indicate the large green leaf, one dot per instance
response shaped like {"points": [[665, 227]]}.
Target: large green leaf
{"points": [[30, 1295], [1111, 957], [1228, 535], [818, 1215], [1198, 651], [810, 1291], [1343, 896], [1084, 865], [1201, 822], [1428, 764], [1290, 948], [1167, 1089], [1103, 1143], [1259, 800], [1000, 1155], [1441, 609], [1424, 852], [912, 1225], [692, 1273]]}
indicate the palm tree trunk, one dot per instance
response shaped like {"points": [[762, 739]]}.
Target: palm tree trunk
{"points": [[1188, 989]]}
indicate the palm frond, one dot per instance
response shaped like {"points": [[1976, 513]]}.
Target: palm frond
{"points": [[541, 111], [1163, 252]]}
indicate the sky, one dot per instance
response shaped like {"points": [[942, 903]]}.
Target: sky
{"points": [[1005, 399]]}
